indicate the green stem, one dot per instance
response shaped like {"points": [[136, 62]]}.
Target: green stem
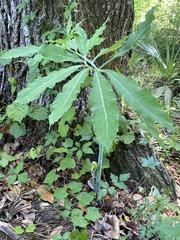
{"points": [[108, 61], [86, 60], [99, 169]]}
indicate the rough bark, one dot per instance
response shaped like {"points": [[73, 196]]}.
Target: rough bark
{"points": [[120, 16], [127, 159], [48, 16]]}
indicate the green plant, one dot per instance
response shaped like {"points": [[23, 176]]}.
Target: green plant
{"points": [[151, 213], [116, 181], [104, 84], [30, 228], [167, 67], [15, 174]]}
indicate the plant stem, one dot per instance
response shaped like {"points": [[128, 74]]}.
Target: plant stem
{"points": [[99, 170], [108, 61]]}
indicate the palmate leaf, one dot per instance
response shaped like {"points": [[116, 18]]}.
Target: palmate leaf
{"points": [[143, 30], [64, 99], [23, 51], [140, 100], [104, 110], [57, 54], [34, 89]]}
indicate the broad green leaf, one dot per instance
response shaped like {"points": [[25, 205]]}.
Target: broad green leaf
{"points": [[55, 150], [114, 178], [120, 185], [11, 179], [63, 128], [127, 137], [79, 154], [75, 186], [79, 221], [18, 230], [51, 177], [143, 30], [67, 162], [19, 168], [30, 228], [23, 177], [102, 193], [104, 110], [5, 159], [104, 184], [65, 213], [124, 177], [65, 99], [60, 193], [112, 190], [23, 51], [92, 214], [85, 198], [77, 235], [150, 162], [57, 54], [17, 111], [86, 149], [38, 112], [140, 100], [17, 130], [95, 39], [51, 138], [34, 89], [68, 143], [68, 116]]}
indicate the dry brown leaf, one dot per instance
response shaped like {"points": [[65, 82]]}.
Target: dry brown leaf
{"points": [[26, 222], [137, 196], [16, 189], [56, 230], [61, 202], [45, 194], [114, 232], [7, 148], [11, 196], [34, 182]]}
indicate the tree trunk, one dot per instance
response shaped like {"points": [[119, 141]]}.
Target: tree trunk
{"points": [[127, 159], [120, 15]]}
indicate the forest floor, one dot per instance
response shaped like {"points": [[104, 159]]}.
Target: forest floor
{"points": [[22, 204]]}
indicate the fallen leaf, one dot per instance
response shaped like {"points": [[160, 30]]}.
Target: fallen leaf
{"points": [[45, 194], [15, 189], [56, 230], [137, 196], [114, 232]]}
